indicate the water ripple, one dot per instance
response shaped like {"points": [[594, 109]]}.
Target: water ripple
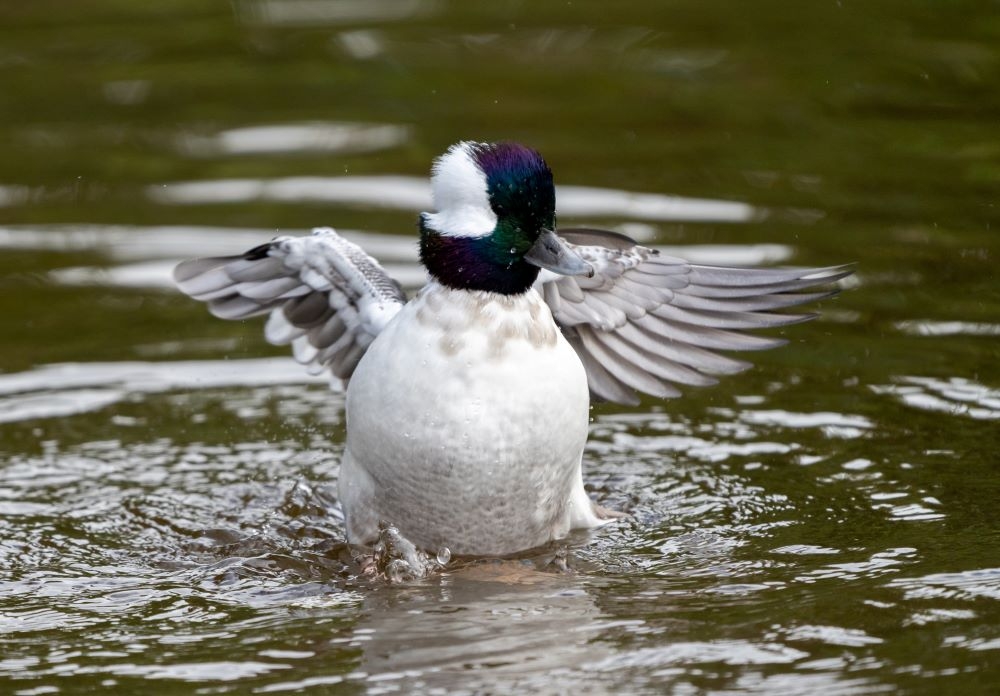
{"points": [[731, 652], [286, 138], [926, 327], [967, 585], [52, 391], [956, 396]]}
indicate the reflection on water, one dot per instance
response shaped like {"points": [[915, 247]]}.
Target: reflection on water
{"points": [[517, 630]]}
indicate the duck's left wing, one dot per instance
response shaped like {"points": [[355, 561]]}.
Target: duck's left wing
{"points": [[646, 321], [326, 296]]}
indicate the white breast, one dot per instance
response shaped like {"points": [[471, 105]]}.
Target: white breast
{"points": [[466, 422]]}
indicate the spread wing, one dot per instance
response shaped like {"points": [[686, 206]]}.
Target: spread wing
{"points": [[645, 321], [325, 296]]}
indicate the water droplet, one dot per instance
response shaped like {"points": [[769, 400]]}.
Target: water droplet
{"points": [[513, 250], [443, 556]]}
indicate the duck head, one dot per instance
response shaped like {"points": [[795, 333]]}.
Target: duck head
{"points": [[493, 229]]}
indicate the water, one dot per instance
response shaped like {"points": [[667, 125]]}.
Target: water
{"points": [[825, 523]]}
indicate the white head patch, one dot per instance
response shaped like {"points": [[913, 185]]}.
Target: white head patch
{"points": [[460, 195]]}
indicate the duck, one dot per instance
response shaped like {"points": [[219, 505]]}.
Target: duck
{"points": [[468, 405]]}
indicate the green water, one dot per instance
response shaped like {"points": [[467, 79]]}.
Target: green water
{"points": [[825, 523]]}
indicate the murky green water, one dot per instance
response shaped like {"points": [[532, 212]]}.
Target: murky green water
{"points": [[827, 523]]}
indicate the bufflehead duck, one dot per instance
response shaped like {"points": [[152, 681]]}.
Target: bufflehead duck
{"points": [[468, 405]]}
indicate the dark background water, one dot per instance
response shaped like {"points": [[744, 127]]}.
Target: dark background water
{"points": [[825, 523]]}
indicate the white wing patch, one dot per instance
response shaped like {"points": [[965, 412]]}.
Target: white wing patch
{"points": [[326, 296]]}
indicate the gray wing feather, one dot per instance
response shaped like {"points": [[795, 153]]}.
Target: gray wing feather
{"points": [[629, 372], [646, 321], [602, 383], [325, 296]]}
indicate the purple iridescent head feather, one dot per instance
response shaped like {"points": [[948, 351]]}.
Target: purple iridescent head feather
{"points": [[519, 182]]}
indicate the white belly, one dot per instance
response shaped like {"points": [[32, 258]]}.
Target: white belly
{"points": [[466, 422]]}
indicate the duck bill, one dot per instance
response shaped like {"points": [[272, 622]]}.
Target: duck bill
{"points": [[554, 254]]}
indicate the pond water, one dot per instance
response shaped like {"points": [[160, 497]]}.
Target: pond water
{"points": [[825, 523]]}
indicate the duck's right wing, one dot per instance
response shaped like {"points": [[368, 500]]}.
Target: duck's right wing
{"points": [[326, 296]]}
